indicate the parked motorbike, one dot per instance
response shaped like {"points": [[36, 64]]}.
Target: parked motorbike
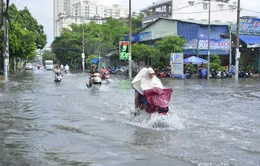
{"points": [[188, 73], [244, 74]]}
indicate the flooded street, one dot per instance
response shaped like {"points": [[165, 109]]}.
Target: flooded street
{"points": [[213, 123]]}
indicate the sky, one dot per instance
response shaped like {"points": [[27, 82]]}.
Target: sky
{"points": [[42, 10]]}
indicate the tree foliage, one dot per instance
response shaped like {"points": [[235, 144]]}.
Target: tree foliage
{"points": [[216, 63], [170, 44], [48, 55], [25, 34], [101, 39], [142, 51], [98, 39]]}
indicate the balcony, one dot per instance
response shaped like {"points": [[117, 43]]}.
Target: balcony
{"points": [[153, 17]]}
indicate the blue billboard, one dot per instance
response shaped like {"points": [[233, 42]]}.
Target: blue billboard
{"points": [[144, 36], [248, 25]]}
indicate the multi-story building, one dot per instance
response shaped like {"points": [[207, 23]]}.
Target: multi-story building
{"points": [[221, 10], [67, 12]]}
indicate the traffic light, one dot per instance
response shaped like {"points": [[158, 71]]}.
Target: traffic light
{"points": [[123, 50]]}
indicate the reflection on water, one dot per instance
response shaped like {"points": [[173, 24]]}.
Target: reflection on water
{"points": [[212, 122]]}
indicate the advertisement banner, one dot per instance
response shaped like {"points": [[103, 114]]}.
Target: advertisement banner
{"points": [[177, 65], [140, 37], [192, 44], [215, 44], [248, 25]]}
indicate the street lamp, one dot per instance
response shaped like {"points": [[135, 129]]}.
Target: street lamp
{"points": [[130, 41], [208, 43]]}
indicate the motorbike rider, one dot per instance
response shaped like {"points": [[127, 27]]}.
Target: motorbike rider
{"points": [[149, 81], [103, 71], [91, 73], [67, 68], [57, 71]]}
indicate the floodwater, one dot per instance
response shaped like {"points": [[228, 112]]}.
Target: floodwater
{"points": [[212, 123]]}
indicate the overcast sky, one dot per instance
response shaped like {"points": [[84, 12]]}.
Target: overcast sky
{"points": [[42, 10]]}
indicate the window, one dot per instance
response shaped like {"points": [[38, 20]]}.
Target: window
{"points": [[220, 7], [231, 8], [205, 6], [191, 3]]}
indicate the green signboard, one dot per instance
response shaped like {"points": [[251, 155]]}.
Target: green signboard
{"points": [[123, 50]]}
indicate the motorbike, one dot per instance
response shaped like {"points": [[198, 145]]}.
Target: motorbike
{"points": [[66, 71], [95, 79], [226, 74], [244, 74], [158, 103], [188, 73], [214, 74], [105, 75], [58, 78]]}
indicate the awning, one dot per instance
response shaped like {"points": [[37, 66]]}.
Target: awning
{"points": [[195, 60], [94, 60], [111, 53], [250, 39]]}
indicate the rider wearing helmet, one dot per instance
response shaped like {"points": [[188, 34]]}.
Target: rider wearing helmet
{"points": [[91, 73]]}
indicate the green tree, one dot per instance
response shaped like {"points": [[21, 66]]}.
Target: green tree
{"points": [[48, 55], [136, 23], [25, 34], [216, 63], [170, 44], [142, 51], [99, 39]]}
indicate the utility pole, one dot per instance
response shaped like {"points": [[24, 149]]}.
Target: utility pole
{"points": [[99, 51], [209, 43], [6, 41], [83, 51], [2, 37], [237, 40], [130, 41], [230, 48]]}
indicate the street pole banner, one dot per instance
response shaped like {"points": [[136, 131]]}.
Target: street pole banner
{"points": [[123, 50], [177, 65]]}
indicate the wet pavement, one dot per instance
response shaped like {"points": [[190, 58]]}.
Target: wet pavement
{"points": [[213, 122]]}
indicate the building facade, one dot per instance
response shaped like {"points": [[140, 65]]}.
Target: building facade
{"points": [[221, 10], [67, 12]]}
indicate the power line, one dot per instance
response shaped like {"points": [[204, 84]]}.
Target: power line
{"points": [[251, 10]]}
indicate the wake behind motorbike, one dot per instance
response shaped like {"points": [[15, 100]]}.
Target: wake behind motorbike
{"points": [[157, 104]]}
